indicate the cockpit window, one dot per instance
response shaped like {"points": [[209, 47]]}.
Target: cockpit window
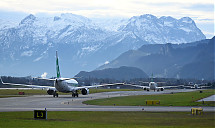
{"points": [[73, 84]]}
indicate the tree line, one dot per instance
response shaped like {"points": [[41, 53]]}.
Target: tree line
{"points": [[91, 81]]}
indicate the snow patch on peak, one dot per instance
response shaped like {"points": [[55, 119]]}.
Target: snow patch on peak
{"points": [[187, 20], [28, 20], [90, 48], [148, 16], [110, 24], [185, 29], [169, 24], [7, 24], [74, 18], [144, 17], [167, 18]]}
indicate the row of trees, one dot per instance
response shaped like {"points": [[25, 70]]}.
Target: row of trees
{"points": [[140, 81], [91, 81]]}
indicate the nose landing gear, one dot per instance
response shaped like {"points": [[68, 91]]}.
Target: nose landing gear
{"points": [[75, 94], [55, 94]]}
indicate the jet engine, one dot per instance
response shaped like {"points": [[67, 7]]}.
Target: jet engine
{"points": [[85, 91], [162, 89], [50, 92]]}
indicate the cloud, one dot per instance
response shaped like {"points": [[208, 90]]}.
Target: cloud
{"points": [[106, 62], [202, 9], [27, 53], [105, 7], [44, 75], [37, 59]]}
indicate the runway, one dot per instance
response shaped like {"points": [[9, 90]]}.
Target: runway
{"points": [[68, 103]]}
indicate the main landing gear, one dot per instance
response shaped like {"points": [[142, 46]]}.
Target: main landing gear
{"points": [[55, 94], [75, 94]]}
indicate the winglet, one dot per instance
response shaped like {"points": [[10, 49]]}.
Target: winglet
{"points": [[152, 78], [1, 80]]}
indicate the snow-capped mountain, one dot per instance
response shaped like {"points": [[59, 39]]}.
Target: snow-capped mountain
{"points": [[110, 24], [4, 24], [164, 29], [83, 44]]}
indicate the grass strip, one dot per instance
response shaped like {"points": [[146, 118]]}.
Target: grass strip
{"points": [[176, 99], [108, 120]]}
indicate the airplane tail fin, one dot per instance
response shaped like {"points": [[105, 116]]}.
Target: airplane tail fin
{"points": [[1, 81], [152, 80], [57, 67]]}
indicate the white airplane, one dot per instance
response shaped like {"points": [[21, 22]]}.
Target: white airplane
{"points": [[197, 86], [65, 85], [153, 86]]}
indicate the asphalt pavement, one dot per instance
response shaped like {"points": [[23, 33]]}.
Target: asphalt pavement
{"points": [[69, 103]]}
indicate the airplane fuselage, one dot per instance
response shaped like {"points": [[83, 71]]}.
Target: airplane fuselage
{"points": [[153, 85], [65, 85]]}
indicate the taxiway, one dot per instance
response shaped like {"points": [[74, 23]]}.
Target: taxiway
{"points": [[68, 103]]}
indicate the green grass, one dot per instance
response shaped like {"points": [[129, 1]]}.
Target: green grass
{"points": [[108, 120], [111, 90], [11, 92], [176, 99]]}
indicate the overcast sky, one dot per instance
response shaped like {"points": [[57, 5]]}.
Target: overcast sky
{"points": [[201, 11]]}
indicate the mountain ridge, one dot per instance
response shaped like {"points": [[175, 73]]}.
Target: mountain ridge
{"points": [[84, 44], [195, 60], [121, 73]]}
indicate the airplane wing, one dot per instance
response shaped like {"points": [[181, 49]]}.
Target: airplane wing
{"points": [[96, 86], [29, 85], [44, 79], [205, 86], [147, 87], [167, 87], [139, 86], [144, 82], [161, 82], [61, 79]]}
